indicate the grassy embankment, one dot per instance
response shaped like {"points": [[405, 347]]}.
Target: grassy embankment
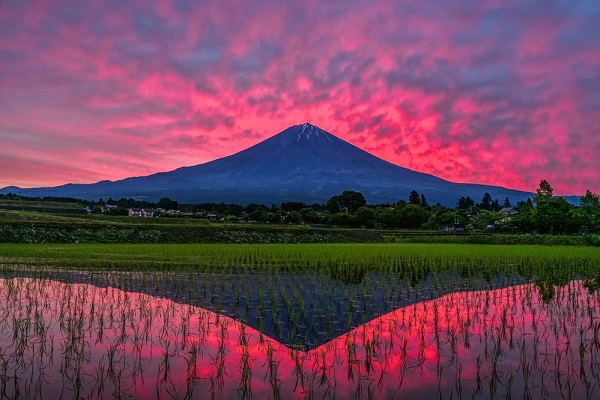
{"points": [[37, 227], [33, 227]]}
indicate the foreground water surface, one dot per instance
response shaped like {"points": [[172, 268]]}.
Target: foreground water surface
{"points": [[78, 340]]}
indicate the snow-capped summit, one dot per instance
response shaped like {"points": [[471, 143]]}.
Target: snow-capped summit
{"points": [[310, 132]]}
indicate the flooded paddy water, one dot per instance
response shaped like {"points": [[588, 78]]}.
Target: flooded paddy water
{"points": [[247, 333]]}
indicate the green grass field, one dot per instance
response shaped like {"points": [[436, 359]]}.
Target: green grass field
{"points": [[409, 259]]}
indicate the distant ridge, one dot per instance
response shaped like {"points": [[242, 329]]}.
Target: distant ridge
{"points": [[302, 163]]}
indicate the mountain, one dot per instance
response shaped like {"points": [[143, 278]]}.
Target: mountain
{"points": [[302, 163]]}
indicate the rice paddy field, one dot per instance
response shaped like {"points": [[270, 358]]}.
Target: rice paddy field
{"points": [[381, 321]]}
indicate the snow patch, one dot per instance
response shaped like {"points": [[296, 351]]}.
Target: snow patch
{"points": [[311, 132]]}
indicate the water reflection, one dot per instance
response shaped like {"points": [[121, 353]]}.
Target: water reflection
{"points": [[302, 309], [70, 340]]}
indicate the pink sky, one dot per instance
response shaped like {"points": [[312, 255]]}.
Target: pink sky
{"points": [[496, 92]]}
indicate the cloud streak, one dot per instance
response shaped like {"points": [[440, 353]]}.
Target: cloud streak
{"points": [[503, 93]]}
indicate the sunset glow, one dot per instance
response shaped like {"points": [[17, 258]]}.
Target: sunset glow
{"points": [[500, 93], [140, 346]]}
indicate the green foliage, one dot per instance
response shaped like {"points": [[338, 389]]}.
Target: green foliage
{"points": [[486, 202], [119, 211], [340, 219], [485, 219], [443, 216], [552, 214], [293, 217], [544, 190], [414, 198], [292, 206], [365, 217], [348, 201], [310, 216], [424, 202], [167, 204], [413, 216], [259, 214], [546, 214], [277, 217], [465, 202], [588, 214]]}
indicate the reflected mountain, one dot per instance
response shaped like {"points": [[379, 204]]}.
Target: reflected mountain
{"points": [[302, 309]]}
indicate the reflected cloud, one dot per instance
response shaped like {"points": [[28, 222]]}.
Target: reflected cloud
{"points": [[85, 340]]}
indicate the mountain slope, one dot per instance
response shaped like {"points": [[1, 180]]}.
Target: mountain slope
{"points": [[302, 163]]}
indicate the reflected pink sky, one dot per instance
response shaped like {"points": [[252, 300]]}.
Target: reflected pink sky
{"points": [[502, 93], [111, 341]]}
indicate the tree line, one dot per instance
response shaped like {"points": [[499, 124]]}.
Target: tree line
{"points": [[544, 213]]}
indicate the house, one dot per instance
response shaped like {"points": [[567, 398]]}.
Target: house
{"points": [[140, 212], [107, 208], [452, 228], [508, 213], [211, 216], [455, 227]]}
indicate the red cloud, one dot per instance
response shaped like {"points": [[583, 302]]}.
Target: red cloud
{"points": [[502, 95]]}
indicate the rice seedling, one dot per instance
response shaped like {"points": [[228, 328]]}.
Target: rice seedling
{"points": [[313, 321]]}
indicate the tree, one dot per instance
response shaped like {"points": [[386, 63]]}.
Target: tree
{"points": [[167, 203], [506, 202], [523, 221], [496, 205], [387, 217], [552, 214], [119, 210], [413, 216], [544, 191], [293, 217], [352, 200], [123, 202], [486, 202], [414, 198], [424, 201], [442, 216], [464, 203], [231, 218], [485, 219], [310, 216], [365, 216], [253, 206], [334, 204], [349, 201], [292, 206], [277, 217], [259, 214], [340, 219], [588, 214]]}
